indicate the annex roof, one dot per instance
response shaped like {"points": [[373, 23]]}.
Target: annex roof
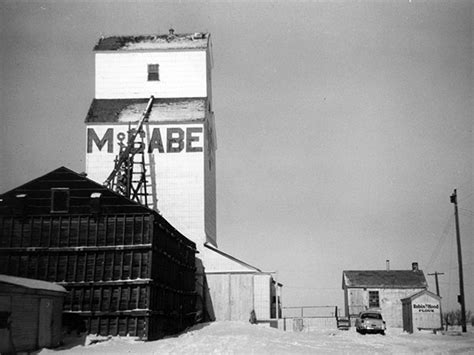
{"points": [[224, 262], [162, 110], [31, 283], [197, 40], [384, 279]]}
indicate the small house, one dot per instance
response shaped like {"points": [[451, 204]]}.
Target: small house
{"points": [[381, 289], [422, 311], [30, 314]]}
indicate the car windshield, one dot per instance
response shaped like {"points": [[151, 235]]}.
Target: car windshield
{"points": [[371, 315]]}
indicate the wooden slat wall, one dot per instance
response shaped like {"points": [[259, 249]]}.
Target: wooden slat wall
{"points": [[127, 270], [112, 266]]}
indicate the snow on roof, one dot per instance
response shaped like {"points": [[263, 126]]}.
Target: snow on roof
{"points": [[31, 283], [131, 110], [196, 40], [384, 278]]}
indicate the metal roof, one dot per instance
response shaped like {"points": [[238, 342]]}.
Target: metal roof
{"points": [[31, 283], [198, 40], [384, 279], [162, 110]]}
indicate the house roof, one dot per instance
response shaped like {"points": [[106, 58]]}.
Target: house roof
{"points": [[31, 283], [162, 110], [198, 40], [384, 279]]}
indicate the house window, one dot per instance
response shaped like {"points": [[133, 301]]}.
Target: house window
{"points": [[153, 72], [60, 199], [374, 299]]}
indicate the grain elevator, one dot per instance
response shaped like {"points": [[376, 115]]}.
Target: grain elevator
{"points": [[169, 77]]}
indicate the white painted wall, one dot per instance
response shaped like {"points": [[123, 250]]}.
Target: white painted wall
{"points": [[262, 295], [426, 318], [124, 74], [210, 183], [235, 295], [178, 177], [390, 302]]}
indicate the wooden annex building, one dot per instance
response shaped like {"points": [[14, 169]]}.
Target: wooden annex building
{"points": [[126, 269]]}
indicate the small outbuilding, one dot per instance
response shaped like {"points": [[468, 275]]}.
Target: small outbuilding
{"points": [[422, 311], [30, 314]]}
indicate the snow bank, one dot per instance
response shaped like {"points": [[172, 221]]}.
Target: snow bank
{"points": [[244, 338]]}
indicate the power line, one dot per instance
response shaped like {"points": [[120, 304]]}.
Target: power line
{"points": [[441, 240]]}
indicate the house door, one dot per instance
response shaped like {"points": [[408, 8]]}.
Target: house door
{"points": [[45, 322], [5, 331]]}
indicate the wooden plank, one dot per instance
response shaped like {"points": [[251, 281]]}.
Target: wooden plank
{"points": [[21, 234], [76, 260], [140, 265], [142, 231], [58, 243], [93, 267], [69, 231], [101, 298], [124, 228], [87, 232], [129, 297], [133, 231], [115, 230], [119, 298], [41, 231], [31, 231], [121, 266], [11, 232], [97, 222], [50, 231], [56, 268], [37, 267], [106, 223]]}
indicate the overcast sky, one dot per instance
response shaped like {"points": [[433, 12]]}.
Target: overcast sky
{"points": [[342, 127]]}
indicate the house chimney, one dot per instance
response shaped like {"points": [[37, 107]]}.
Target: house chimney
{"points": [[171, 35], [414, 266], [388, 264]]}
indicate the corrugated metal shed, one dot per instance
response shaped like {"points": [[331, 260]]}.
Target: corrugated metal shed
{"points": [[384, 278], [163, 110], [196, 40]]}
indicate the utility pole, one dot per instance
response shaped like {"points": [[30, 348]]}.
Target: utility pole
{"points": [[436, 273], [454, 199]]}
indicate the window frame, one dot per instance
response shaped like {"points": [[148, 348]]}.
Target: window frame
{"points": [[54, 203], [374, 295], [152, 71]]}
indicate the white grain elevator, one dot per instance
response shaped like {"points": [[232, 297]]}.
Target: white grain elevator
{"points": [[178, 147]]}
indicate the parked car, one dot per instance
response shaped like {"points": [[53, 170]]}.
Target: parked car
{"points": [[370, 322]]}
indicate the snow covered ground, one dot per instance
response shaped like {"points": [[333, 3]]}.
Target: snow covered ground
{"points": [[244, 338]]}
